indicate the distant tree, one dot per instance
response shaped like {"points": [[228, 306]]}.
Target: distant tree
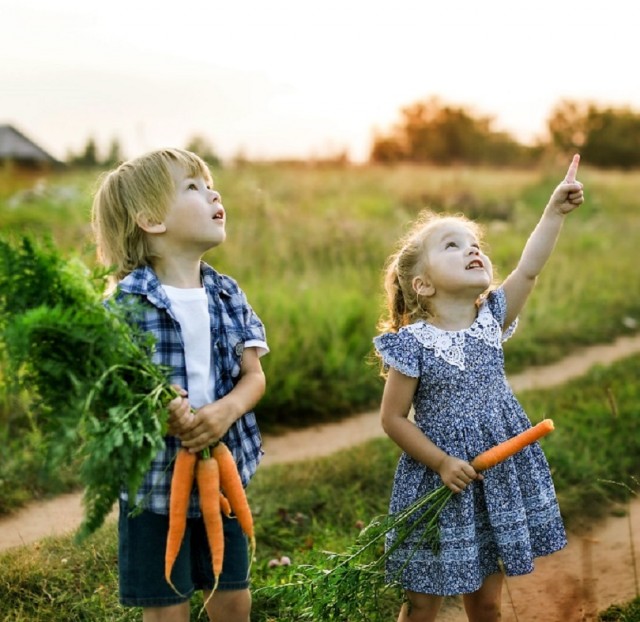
{"points": [[88, 157], [114, 154], [443, 134], [500, 149], [613, 138], [387, 150], [567, 125], [430, 131], [605, 136], [201, 146]]}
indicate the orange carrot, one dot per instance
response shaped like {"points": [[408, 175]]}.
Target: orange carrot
{"points": [[234, 490], [181, 485], [208, 478], [224, 505], [504, 450]]}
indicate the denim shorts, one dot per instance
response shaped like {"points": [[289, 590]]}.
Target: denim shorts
{"points": [[141, 547]]}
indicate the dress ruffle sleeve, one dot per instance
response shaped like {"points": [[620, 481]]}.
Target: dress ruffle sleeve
{"points": [[497, 303], [401, 351]]}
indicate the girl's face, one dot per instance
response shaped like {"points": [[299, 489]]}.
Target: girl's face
{"points": [[196, 217], [454, 261]]}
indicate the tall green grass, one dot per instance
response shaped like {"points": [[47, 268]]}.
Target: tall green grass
{"points": [[304, 510], [321, 237], [308, 246]]}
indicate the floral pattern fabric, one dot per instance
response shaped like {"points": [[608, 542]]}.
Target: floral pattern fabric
{"points": [[465, 405]]}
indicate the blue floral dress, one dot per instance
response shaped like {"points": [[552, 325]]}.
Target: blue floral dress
{"points": [[465, 405]]}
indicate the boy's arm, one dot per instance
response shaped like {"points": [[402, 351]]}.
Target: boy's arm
{"points": [[213, 420], [518, 285]]}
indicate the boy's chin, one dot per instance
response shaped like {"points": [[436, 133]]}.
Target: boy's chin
{"points": [[219, 239]]}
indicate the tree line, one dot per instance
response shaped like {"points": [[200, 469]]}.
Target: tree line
{"points": [[90, 155], [435, 132]]}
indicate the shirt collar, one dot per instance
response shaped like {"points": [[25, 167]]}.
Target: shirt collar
{"points": [[212, 280], [143, 281]]}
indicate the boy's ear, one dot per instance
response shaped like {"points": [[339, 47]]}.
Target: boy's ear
{"points": [[148, 225], [422, 287]]}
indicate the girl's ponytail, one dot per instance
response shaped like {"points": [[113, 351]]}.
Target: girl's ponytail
{"points": [[395, 303]]}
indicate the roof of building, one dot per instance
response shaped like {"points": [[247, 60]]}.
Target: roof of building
{"points": [[14, 145]]}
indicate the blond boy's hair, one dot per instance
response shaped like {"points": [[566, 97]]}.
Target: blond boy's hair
{"points": [[141, 188], [403, 304]]}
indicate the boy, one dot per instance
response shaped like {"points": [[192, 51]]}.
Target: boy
{"points": [[154, 217]]}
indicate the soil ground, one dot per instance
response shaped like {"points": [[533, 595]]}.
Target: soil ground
{"points": [[594, 571]]}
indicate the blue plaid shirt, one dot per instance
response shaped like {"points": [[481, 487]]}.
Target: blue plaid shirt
{"points": [[233, 323]]}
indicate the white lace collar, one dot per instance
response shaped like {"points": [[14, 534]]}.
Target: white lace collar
{"points": [[449, 344]]}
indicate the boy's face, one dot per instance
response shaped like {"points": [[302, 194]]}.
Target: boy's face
{"points": [[196, 218]]}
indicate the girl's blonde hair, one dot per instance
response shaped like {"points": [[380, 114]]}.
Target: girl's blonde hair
{"points": [[139, 188], [403, 304]]}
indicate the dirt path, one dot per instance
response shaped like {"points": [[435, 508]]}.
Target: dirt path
{"points": [[570, 586], [322, 440], [593, 572]]}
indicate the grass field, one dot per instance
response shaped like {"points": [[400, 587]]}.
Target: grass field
{"points": [[308, 246], [303, 510]]}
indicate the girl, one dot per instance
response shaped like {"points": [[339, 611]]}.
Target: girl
{"points": [[442, 351]]}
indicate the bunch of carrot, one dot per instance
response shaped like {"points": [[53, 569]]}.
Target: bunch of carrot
{"points": [[353, 579], [436, 501], [220, 491]]}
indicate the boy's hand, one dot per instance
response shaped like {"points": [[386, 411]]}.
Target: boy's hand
{"points": [[568, 195], [211, 423], [457, 474], [181, 419]]}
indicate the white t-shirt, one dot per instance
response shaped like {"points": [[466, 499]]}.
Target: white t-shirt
{"points": [[191, 308]]}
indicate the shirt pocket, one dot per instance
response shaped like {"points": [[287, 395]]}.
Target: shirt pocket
{"points": [[235, 350]]}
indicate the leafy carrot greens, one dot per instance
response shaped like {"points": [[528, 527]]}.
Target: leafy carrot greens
{"points": [[95, 393]]}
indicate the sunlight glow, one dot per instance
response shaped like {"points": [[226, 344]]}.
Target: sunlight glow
{"points": [[296, 79]]}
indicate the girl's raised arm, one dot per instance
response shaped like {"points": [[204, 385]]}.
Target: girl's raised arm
{"points": [[565, 198]]}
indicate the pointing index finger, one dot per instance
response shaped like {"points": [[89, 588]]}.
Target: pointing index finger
{"points": [[573, 169]]}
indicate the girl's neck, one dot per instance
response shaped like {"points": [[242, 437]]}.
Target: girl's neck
{"points": [[452, 315]]}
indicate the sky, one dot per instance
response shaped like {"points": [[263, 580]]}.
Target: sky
{"points": [[299, 79]]}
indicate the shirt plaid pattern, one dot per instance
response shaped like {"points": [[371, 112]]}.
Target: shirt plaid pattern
{"points": [[233, 323]]}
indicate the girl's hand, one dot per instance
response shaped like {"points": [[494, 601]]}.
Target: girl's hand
{"points": [[457, 474], [181, 419], [568, 195]]}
